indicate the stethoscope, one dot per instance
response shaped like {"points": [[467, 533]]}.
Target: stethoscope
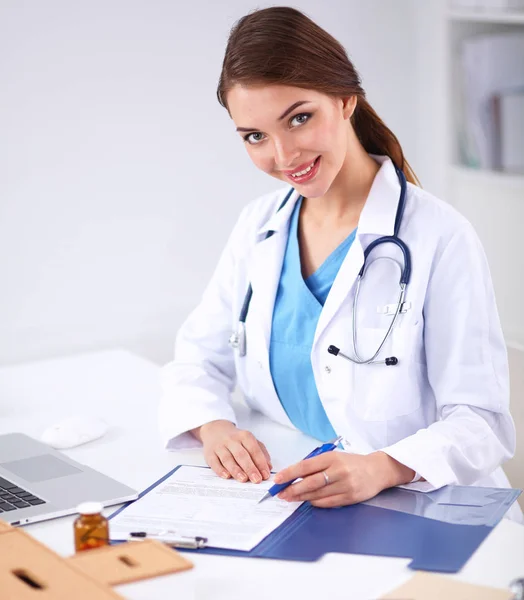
{"points": [[238, 337]]}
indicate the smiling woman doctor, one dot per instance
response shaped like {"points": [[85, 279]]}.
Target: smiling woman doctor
{"points": [[413, 374]]}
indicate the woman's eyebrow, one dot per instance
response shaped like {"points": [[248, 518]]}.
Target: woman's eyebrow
{"points": [[282, 116]]}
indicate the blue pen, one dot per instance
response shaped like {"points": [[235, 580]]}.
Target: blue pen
{"points": [[278, 487]]}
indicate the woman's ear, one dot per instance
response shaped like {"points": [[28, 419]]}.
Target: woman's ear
{"points": [[348, 106]]}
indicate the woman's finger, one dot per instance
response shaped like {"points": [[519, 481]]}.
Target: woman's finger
{"points": [[244, 459], [332, 489], [214, 462], [266, 454], [331, 501], [306, 467], [253, 446], [229, 462], [308, 485]]}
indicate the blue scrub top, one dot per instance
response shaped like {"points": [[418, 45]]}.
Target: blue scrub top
{"points": [[298, 305]]}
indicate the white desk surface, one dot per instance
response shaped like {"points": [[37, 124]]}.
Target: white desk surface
{"points": [[124, 390]]}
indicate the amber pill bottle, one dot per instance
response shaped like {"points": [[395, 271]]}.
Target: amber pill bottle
{"points": [[91, 527]]}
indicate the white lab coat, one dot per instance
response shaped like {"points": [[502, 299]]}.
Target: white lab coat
{"points": [[442, 411]]}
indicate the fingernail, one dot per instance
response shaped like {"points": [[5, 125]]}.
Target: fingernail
{"points": [[255, 478], [278, 478], [265, 474], [224, 475], [242, 477]]}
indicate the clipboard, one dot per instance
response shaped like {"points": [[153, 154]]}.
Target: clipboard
{"points": [[432, 544]]}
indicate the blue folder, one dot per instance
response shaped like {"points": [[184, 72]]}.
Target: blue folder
{"points": [[431, 543]]}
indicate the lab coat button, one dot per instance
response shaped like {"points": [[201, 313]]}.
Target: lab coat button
{"points": [[260, 364], [327, 369]]}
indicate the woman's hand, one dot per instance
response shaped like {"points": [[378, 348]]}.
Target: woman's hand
{"points": [[233, 452], [337, 479]]}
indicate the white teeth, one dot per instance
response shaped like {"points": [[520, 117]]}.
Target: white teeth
{"points": [[300, 173]]}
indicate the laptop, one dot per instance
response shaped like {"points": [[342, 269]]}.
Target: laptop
{"points": [[39, 483]]}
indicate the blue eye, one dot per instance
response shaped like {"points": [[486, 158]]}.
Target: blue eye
{"points": [[301, 118], [256, 137], [250, 139]]}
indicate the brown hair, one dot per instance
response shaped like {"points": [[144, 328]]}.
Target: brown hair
{"points": [[281, 45]]}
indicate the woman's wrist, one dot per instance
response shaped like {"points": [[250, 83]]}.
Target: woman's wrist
{"points": [[391, 471], [204, 430]]}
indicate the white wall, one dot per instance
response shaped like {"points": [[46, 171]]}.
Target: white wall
{"points": [[430, 97], [121, 176]]}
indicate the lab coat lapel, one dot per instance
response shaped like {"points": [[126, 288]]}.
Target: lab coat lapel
{"points": [[264, 274], [264, 270], [342, 286], [377, 219]]}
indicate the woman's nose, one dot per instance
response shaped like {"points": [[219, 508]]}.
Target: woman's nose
{"points": [[285, 154]]}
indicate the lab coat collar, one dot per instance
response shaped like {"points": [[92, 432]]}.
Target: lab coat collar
{"points": [[380, 209], [280, 218], [378, 214]]}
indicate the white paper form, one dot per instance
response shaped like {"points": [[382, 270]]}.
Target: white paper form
{"points": [[194, 501]]}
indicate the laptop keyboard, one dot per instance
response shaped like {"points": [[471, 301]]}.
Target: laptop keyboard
{"points": [[13, 497]]}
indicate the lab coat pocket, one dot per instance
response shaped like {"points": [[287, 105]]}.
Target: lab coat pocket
{"points": [[381, 392]]}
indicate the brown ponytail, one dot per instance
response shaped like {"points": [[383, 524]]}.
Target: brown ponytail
{"points": [[377, 138], [281, 45]]}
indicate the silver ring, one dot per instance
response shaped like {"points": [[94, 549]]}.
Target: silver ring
{"points": [[326, 477]]}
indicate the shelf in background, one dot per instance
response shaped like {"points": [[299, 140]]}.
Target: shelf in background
{"points": [[506, 17], [482, 176], [515, 343]]}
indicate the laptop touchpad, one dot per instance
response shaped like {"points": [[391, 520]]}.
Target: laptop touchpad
{"points": [[40, 468]]}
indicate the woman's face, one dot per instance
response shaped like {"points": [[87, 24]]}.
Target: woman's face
{"points": [[298, 136]]}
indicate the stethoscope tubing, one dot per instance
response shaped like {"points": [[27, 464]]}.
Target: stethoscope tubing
{"points": [[237, 339]]}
